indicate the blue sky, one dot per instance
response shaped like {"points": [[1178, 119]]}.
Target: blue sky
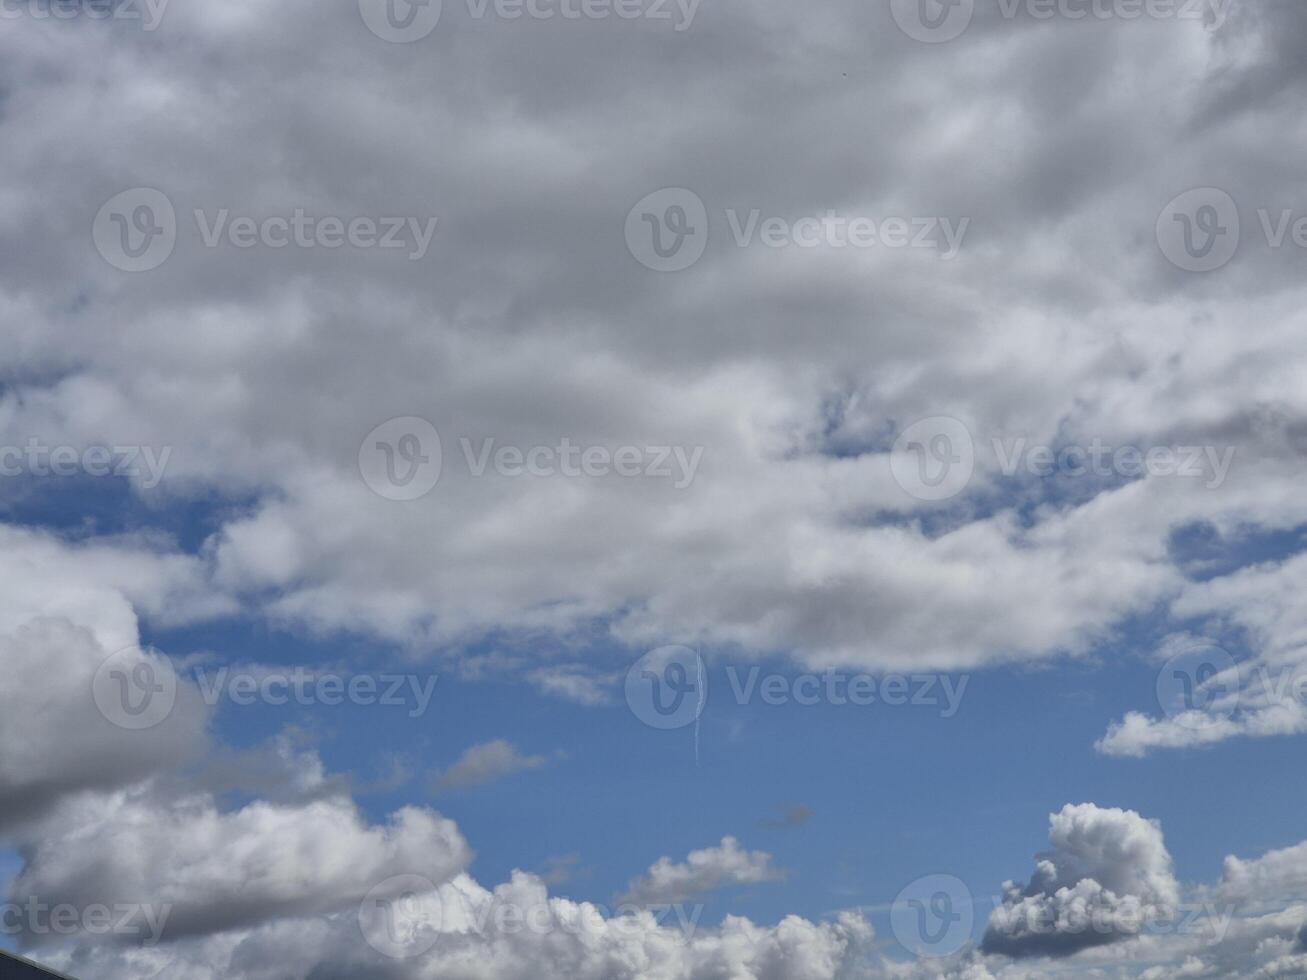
{"points": [[895, 791]]}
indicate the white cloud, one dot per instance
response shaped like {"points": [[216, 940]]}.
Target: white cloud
{"points": [[221, 870], [572, 683], [702, 871], [570, 940], [1107, 874], [1279, 875]]}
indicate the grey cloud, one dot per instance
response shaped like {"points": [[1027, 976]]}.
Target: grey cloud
{"points": [[528, 321], [486, 763]]}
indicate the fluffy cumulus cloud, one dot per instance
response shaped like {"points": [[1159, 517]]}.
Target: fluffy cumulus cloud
{"points": [[1103, 902], [516, 931], [1106, 875], [215, 870]]}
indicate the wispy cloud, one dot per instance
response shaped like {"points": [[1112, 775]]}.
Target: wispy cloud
{"points": [[702, 871], [485, 763]]}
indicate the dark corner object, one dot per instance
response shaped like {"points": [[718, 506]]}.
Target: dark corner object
{"points": [[16, 968]]}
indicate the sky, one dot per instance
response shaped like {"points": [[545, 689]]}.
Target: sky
{"points": [[688, 490]]}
